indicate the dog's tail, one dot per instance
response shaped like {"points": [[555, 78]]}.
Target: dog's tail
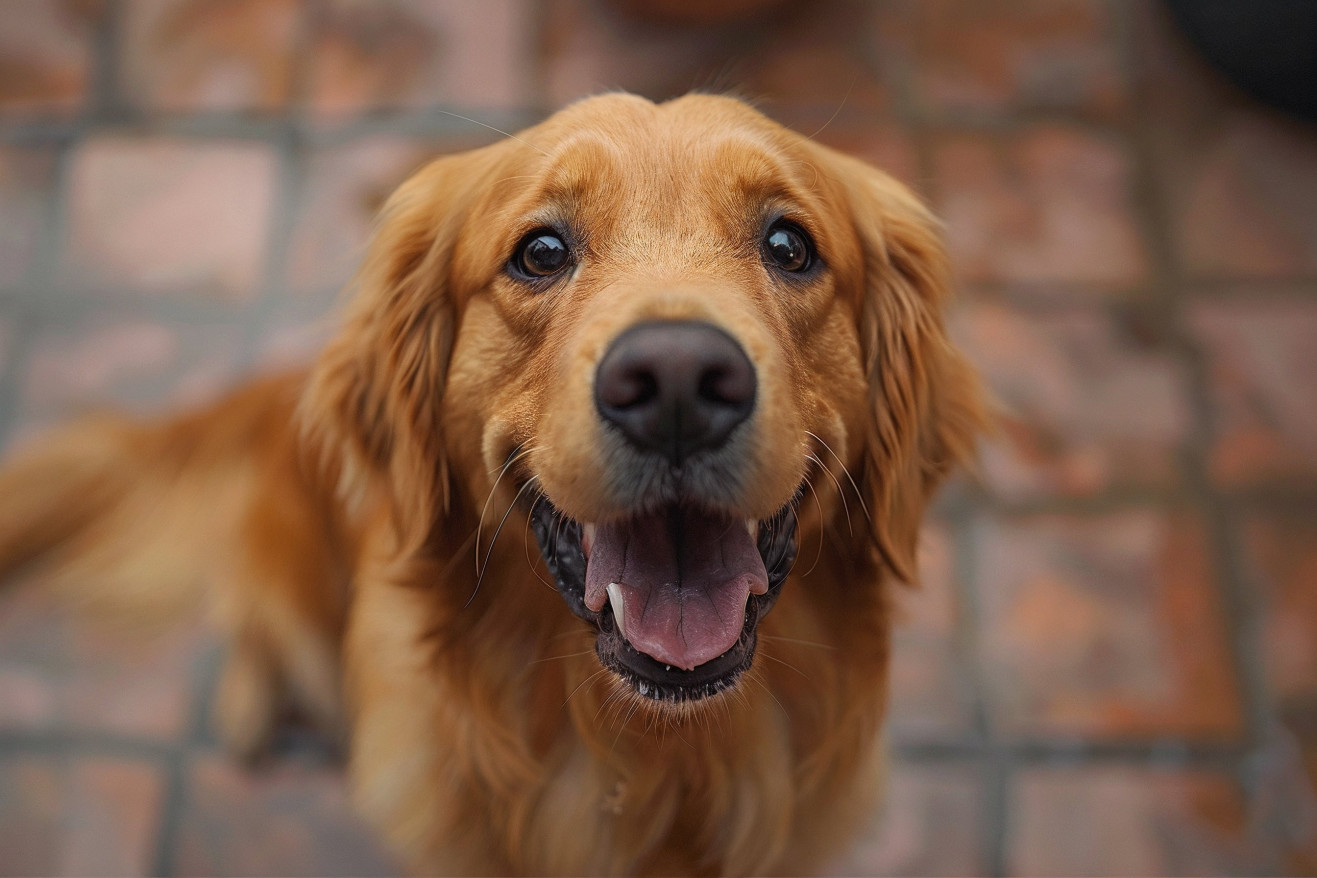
{"points": [[136, 516]]}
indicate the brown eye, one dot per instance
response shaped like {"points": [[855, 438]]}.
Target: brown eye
{"points": [[540, 254], [789, 248]]}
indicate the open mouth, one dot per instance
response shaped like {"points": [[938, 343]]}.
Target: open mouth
{"points": [[675, 595]]}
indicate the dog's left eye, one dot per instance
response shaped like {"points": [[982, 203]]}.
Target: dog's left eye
{"points": [[789, 248], [540, 254]]}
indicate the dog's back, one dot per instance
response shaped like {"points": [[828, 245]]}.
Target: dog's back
{"points": [[142, 520]]}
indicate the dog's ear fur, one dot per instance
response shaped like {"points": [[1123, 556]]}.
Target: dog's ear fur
{"points": [[926, 404], [374, 400]]}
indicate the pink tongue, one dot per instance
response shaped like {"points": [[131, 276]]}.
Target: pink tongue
{"points": [[685, 576]]}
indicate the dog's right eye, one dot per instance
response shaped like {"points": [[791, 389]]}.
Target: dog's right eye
{"points": [[540, 254]]}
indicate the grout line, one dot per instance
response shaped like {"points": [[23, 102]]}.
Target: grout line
{"points": [[290, 168], [105, 97], [1238, 602], [195, 738]]}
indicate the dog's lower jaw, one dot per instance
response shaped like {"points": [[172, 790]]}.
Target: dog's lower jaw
{"points": [[565, 544]]}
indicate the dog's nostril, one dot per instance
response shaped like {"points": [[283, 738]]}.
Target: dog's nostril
{"points": [[636, 387], [675, 387], [731, 386]]}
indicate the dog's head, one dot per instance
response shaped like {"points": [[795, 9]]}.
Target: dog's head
{"points": [[674, 336]]}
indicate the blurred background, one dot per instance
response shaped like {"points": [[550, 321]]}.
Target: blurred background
{"points": [[1111, 667]]}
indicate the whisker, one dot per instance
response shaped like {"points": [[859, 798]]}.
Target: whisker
{"points": [[796, 641], [526, 540], [818, 556], [837, 112], [754, 676], [485, 567], [840, 493], [773, 658], [496, 130], [493, 489], [558, 658], [584, 682], [858, 493]]}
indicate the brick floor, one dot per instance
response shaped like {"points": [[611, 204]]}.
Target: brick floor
{"points": [[1111, 665]]}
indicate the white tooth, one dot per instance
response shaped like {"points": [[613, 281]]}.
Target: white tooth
{"points": [[752, 527], [587, 539], [619, 605]]}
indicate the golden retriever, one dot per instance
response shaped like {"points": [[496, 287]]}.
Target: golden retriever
{"points": [[583, 529]]}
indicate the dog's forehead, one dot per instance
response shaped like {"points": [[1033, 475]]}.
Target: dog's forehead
{"points": [[694, 155]]}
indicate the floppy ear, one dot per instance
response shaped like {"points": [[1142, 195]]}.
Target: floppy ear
{"points": [[926, 404], [374, 401]]}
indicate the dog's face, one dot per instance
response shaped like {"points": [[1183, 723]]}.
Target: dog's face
{"points": [[656, 330]]}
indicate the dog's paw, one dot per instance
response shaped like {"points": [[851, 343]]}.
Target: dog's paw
{"points": [[247, 705]]}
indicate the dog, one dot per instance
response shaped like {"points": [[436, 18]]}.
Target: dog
{"points": [[583, 529]]}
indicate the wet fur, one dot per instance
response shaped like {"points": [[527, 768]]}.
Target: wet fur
{"points": [[329, 519]]}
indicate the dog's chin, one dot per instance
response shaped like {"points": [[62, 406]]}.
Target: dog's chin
{"points": [[704, 652]]}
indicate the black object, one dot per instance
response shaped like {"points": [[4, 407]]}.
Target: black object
{"points": [[1266, 47], [675, 387]]}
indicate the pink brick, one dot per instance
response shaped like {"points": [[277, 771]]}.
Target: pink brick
{"points": [[1280, 554], [930, 824], [886, 147], [192, 55], [88, 816], [288, 820], [1119, 820], [112, 812], [985, 57], [1103, 626], [928, 698], [26, 180], [412, 54], [90, 364], [61, 668], [138, 684], [1049, 205], [46, 55], [165, 216], [31, 800], [345, 186], [1282, 551], [1087, 407], [1260, 355]]}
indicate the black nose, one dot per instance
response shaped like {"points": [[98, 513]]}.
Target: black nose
{"points": [[675, 387]]}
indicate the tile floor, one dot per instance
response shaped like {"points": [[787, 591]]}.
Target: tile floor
{"points": [[1112, 665]]}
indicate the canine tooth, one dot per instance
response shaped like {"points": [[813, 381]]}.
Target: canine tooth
{"points": [[619, 605], [587, 539], [752, 527]]}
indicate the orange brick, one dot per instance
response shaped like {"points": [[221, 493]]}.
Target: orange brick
{"points": [[1104, 626], [1263, 389], [165, 216], [46, 47], [289, 820], [1088, 407], [195, 56], [412, 54], [1114, 820], [930, 824], [983, 57], [81, 816], [1050, 204]]}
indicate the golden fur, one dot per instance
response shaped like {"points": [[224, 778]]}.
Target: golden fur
{"points": [[348, 524]]}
